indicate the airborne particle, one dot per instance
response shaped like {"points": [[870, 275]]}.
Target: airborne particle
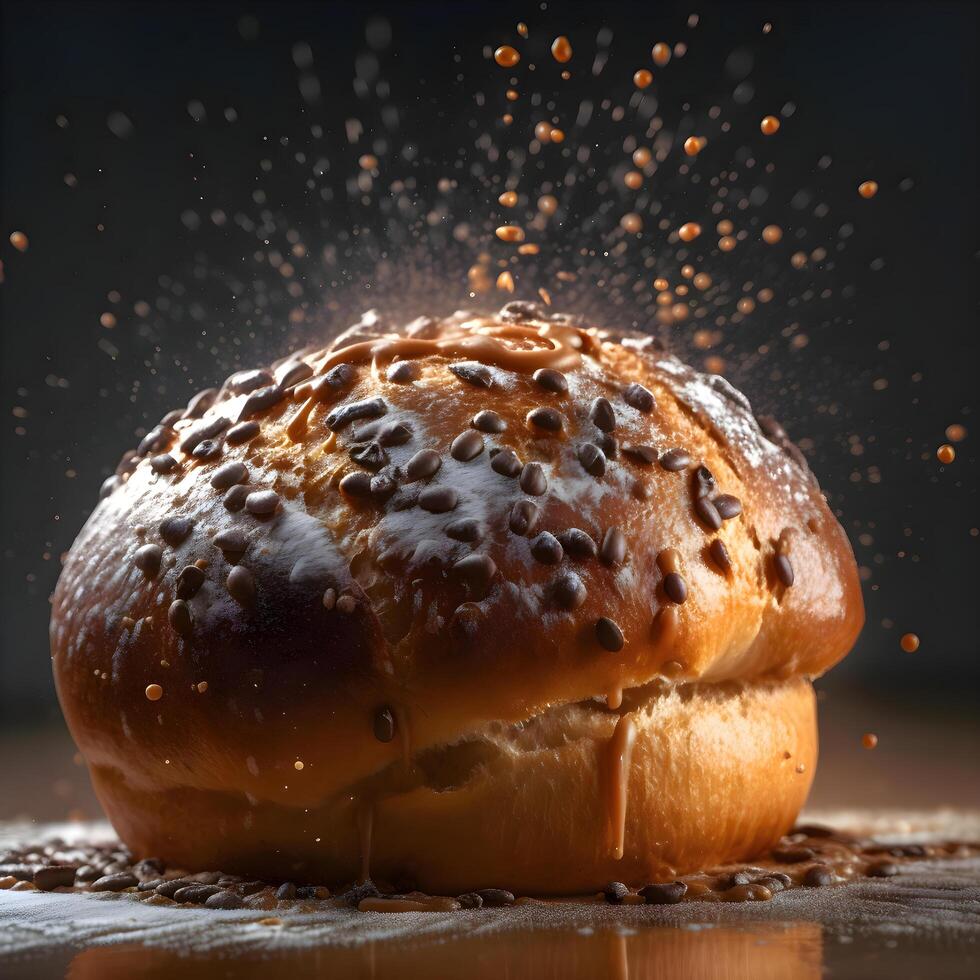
{"points": [[510, 233], [642, 78], [506, 56], [769, 125], [153, 692], [868, 189], [508, 199], [19, 240], [909, 642], [772, 234], [660, 53], [693, 145], [505, 282], [561, 49], [946, 453], [689, 231], [631, 223]]}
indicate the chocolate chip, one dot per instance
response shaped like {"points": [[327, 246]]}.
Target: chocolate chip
{"points": [[148, 866], [357, 894], [245, 381], [675, 587], [228, 475], [548, 419], [641, 454], [109, 485], [356, 484], [370, 455], [164, 463], [224, 900], [668, 893], [156, 439], [189, 581], [882, 869], [242, 433], [466, 446], [487, 421], [523, 517], [702, 481], [615, 892], [370, 408], [613, 550], [602, 415], [466, 529], [719, 555], [234, 499], [533, 479], [577, 543], [476, 572], [241, 585], [792, 855], [286, 892], [200, 403], [114, 882], [147, 559], [394, 434], [208, 449], [495, 897], [169, 888], [547, 549], [568, 591], [290, 374], [609, 635], [784, 569], [54, 876], [384, 724], [640, 398], [337, 378], [262, 502], [608, 444], [179, 615], [403, 372], [733, 880], [708, 513], [551, 380], [424, 464], [675, 460], [195, 894], [592, 458], [203, 430], [470, 900], [438, 499], [773, 883], [473, 373], [260, 400], [727, 506], [506, 463], [818, 875]]}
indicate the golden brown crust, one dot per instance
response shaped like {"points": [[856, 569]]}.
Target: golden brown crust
{"points": [[351, 579]]}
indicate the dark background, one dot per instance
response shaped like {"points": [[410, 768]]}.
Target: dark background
{"points": [[886, 90]]}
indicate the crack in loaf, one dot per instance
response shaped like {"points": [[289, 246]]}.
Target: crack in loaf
{"points": [[488, 600]]}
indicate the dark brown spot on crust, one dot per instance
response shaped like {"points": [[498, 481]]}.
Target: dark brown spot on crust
{"points": [[424, 464], [466, 446], [609, 635], [603, 415], [551, 380], [547, 549], [533, 479]]}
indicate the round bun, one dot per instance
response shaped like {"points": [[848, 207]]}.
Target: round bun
{"points": [[472, 602]]}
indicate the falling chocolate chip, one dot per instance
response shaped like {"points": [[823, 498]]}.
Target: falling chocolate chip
{"points": [[291, 373], [473, 373], [244, 382], [719, 555], [640, 398], [568, 591], [384, 724], [179, 615], [356, 484], [208, 449], [506, 463], [551, 380], [547, 549], [784, 569], [577, 543], [675, 460], [641, 454], [369, 455], [424, 464], [592, 458], [523, 517], [438, 499], [488, 421], [707, 512], [668, 893], [675, 587], [603, 415], [547, 419], [613, 550], [609, 635], [189, 581], [244, 432], [466, 529], [533, 479], [369, 408], [203, 430], [241, 585], [466, 446], [147, 559], [228, 475], [394, 434], [476, 572], [164, 463], [403, 372], [234, 499], [727, 506], [175, 530], [262, 502]]}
